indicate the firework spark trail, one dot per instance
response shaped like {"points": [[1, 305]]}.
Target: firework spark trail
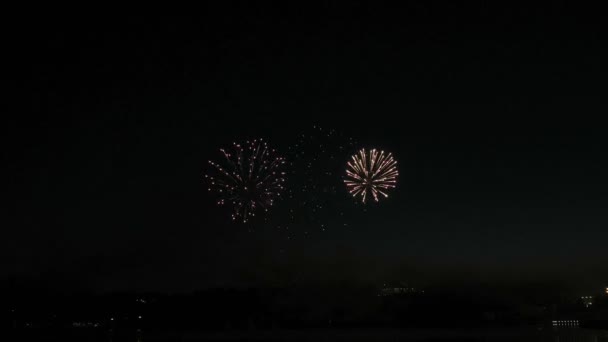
{"points": [[252, 178], [309, 205], [371, 172]]}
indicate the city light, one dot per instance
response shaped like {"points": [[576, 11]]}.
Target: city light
{"points": [[569, 323], [587, 300]]}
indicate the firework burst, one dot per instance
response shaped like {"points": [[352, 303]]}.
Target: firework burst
{"points": [[248, 178], [371, 172]]}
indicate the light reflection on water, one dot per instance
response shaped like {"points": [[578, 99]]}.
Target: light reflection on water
{"points": [[579, 335], [113, 338], [545, 335]]}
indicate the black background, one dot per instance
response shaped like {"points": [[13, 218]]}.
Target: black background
{"points": [[502, 177]]}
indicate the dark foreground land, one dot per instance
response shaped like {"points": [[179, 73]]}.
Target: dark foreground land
{"points": [[282, 315]]}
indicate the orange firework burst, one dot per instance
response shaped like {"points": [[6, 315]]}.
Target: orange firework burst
{"points": [[371, 172]]}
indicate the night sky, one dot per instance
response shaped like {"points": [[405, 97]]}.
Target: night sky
{"points": [[502, 179]]}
